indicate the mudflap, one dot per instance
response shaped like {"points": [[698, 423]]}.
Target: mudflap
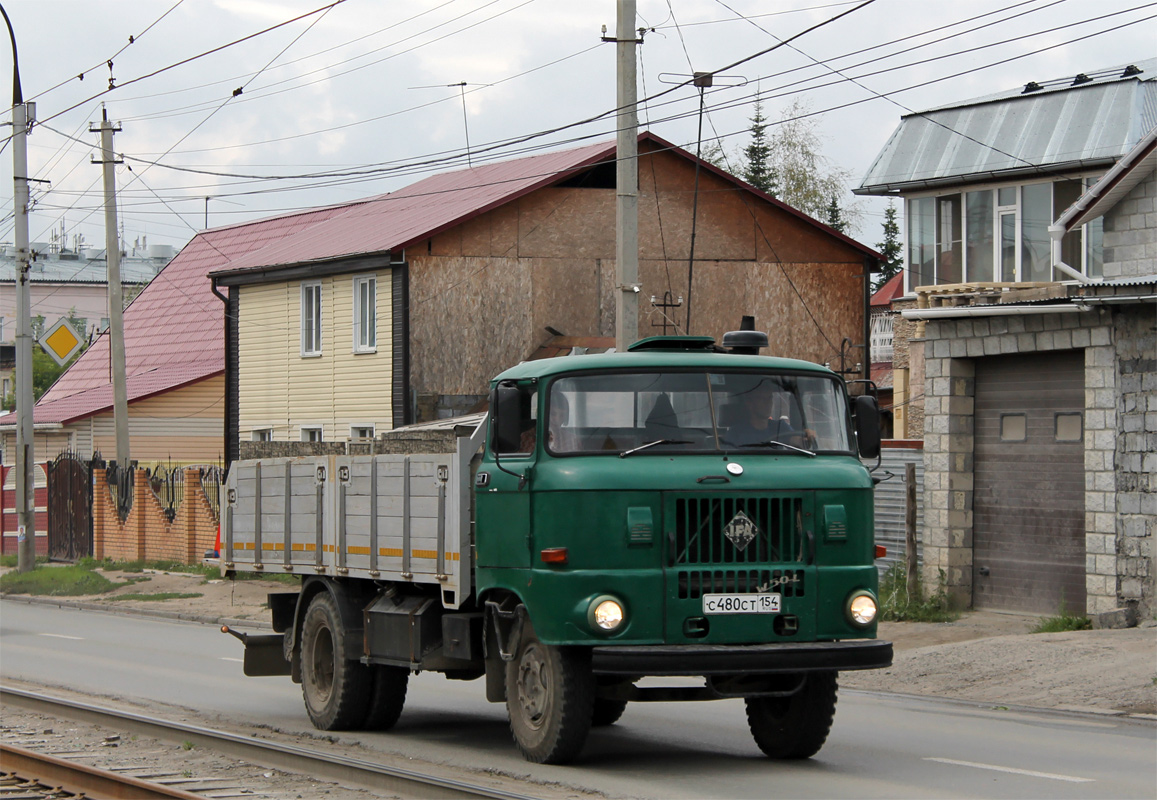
{"points": [[264, 653]]}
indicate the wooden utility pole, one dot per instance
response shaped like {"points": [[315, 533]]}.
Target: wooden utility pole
{"points": [[116, 323], [626, 182]]}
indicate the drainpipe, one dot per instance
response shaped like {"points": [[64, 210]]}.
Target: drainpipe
{"points": [[991, 311], [229, 437], [1057, 232]]}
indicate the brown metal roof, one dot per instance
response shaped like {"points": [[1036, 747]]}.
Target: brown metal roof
{"points": [[391, 222]]}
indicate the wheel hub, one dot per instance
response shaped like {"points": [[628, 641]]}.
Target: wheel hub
{"points": [[533, 685]]}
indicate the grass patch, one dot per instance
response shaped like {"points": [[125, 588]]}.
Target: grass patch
{"points": [[1064, 621], [276, 577], [56, 582], [13, 560], [141, 565], [157, 596], [897, 606]]}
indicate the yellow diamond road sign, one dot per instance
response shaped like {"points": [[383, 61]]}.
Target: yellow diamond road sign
{"points": [[61, 341]]}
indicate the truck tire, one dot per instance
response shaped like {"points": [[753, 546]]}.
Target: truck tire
{"points": [[607, 712], [387, 697], [795, 726], [550, 695], [336, 690]]}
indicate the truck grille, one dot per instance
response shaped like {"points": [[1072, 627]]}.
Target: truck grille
{"points": [[695, 584], [737, 530]]}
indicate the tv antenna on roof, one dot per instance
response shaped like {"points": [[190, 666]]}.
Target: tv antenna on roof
{"points": [[461, 86]]}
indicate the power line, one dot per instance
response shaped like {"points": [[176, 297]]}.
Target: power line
{"points": [[191, 59]]}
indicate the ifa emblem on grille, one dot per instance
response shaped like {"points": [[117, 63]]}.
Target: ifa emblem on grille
{"points": [[740, 531]]}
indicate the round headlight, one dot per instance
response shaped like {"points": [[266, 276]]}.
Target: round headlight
{"points": [[862, 609], [607, 613]]}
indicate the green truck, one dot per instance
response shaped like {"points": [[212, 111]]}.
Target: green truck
{"points": [[684, 510]]}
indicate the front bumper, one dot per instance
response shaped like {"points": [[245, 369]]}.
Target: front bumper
{"points": [[709, 659]]}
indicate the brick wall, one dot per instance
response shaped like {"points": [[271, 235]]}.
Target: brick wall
{"points": [[147, 532]]}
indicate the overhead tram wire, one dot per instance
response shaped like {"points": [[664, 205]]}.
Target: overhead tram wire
{"points": [[132, 40], [233, 80], [958, 74], [263, 93], [381, 117], [347, 181], [601, 116], [197, 57]]}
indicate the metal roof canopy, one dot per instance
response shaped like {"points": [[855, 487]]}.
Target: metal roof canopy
{"points": [[1081, 125]]}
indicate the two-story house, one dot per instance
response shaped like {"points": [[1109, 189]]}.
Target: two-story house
{"points": [[1031, 296], [354, 319]]}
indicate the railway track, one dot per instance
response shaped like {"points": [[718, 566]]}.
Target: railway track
{"points": [[29, 774], [341, 769]]}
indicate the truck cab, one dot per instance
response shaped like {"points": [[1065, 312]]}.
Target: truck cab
{"points": [[681, 511]]}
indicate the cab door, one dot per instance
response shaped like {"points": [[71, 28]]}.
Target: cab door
{"points": [[502, 493]]}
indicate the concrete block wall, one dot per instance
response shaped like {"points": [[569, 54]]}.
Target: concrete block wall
{"points": [[1130, 238], [147, 533], [950, 348], [1135, 480]]}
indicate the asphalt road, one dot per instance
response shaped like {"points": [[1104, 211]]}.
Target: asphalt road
{"points": [[880, 746]]}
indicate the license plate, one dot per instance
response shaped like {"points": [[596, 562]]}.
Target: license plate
{"points": [[741, 603]]}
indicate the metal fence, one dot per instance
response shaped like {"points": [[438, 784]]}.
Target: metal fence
{"points": [[168, 485], [120, 485], [212, 476], [891, 502]]}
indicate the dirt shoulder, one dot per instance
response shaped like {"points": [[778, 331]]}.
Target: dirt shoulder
{"points": [[984, 657]]}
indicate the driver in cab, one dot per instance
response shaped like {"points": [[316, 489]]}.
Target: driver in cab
{"points": [[756, 421]]}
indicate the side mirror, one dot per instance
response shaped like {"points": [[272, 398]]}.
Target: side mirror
{"points": [[507, 415], [867, 418]]}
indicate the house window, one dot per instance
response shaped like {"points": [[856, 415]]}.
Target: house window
{"points": [[361, 432], [261, 435], [103, 325], [311, 433], [7, 388], [998, 234], [365, 314], [881, 338], [311, 319], [1, 329]]}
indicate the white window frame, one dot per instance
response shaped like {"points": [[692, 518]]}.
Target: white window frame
{"points": [[365, 339], [261, 435], [311, 311], [306, 432], [998, 210], [371, 427]]}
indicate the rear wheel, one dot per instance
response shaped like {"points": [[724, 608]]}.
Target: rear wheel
{"points": [[607, 712], [795, 726], [336, 690], [387, 697], [550, 700]]}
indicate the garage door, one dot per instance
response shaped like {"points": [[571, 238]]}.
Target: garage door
{"points": [[1029, 498]]}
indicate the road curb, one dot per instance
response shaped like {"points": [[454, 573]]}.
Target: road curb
{"points": [[153, 613]]}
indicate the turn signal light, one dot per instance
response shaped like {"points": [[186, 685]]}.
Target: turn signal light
{"points": [[881, 551], [554, 555]]}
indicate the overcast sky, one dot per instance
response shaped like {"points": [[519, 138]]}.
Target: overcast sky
{"points": [[364, 88]]}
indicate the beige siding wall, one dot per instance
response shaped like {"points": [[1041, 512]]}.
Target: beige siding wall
{"points": [[283, 390], [183, 425]]}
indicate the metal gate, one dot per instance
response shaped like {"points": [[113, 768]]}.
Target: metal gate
{"points": [[1029, 502], [69, 508]]}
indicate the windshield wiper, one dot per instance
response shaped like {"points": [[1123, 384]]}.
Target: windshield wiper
{"points": [[626, 453], [777, 443]]}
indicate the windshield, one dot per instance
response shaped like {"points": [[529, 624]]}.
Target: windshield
{"points": [[697, 411]]}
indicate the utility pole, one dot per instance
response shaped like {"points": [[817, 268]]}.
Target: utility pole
{"points": [[23, 115], [626, 181], [116, 324]]}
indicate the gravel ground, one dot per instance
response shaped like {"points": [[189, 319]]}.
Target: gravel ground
{"points": [[984, 657]]}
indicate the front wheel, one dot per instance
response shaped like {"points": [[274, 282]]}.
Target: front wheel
{"points": [[550, 699], [795, 726], [336, 689]]}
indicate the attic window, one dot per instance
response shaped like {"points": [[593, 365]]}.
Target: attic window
{"points": [[600, 176]]}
